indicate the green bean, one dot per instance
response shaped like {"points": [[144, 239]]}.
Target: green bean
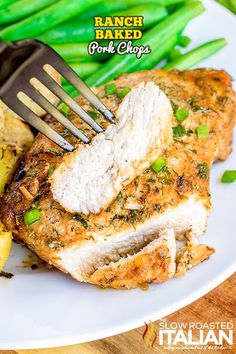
{"points": [[84, 69], [196, 55], [6, 3], [72, 51], [108, 7], [230, 4], [21, 9], [78, 59], [157, 54], [46, 19], [83, 30], [69, 89], [157, 37]]}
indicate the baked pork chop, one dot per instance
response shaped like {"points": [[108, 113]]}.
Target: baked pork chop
{"points": [[92, 176], [177, 198]]}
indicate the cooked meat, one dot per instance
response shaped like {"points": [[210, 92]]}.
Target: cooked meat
{"points": [[92, 176], [178, 197], [191, 255], [154, 263]]}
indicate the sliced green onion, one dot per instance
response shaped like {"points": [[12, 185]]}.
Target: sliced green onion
{"points": [[229, 176], [179, 131], [159, 164], [120, 197], [110, 89], [32, 216], [184, 41], [193, 57], [93, 114], [63, 108], [123, 92], [181, 114], [202, 131]]}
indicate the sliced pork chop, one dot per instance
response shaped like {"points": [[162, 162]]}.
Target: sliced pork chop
{"points": [[80, 260], [154, 263], [191, 255], [178, 197], [92, 176]]}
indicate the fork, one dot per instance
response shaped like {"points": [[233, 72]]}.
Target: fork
{"points": [[24, 60]]}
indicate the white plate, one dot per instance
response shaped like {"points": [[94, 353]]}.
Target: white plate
{"points": [[47, 309]]}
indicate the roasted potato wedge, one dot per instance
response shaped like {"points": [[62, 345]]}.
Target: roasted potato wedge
{"points": [[5, 245], [15, 133], [16, 138], [8, 161], [9, 157]]}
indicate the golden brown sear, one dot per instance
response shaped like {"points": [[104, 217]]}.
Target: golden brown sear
{"points": [[208, 97]]}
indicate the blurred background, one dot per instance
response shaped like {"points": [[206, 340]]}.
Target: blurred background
{"points": [[68, 26]]}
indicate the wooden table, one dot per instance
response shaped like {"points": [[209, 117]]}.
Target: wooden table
{"points": [[218, 305]]}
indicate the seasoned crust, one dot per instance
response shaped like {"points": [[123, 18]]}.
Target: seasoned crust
{"points": [[191, 255], [90, 178], [209, 98], [155, 263]]}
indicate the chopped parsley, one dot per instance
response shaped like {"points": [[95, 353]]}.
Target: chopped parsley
{"points": [[65, 133], [151, 180], [79, 218], [158, 207], [203, 170], [94, 115], [179, 131], [195, 107], [164, 176], [17, 218], [174, 106], [56, 152], [120, 197], [135, 214], [50, 170]]}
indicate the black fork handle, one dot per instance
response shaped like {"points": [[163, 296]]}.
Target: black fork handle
{"points": [[3, 46]]}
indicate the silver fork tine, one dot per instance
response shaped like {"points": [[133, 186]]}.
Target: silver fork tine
{"points": [[54, 87], [75, 81], [48, 107], [31, 118]]}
